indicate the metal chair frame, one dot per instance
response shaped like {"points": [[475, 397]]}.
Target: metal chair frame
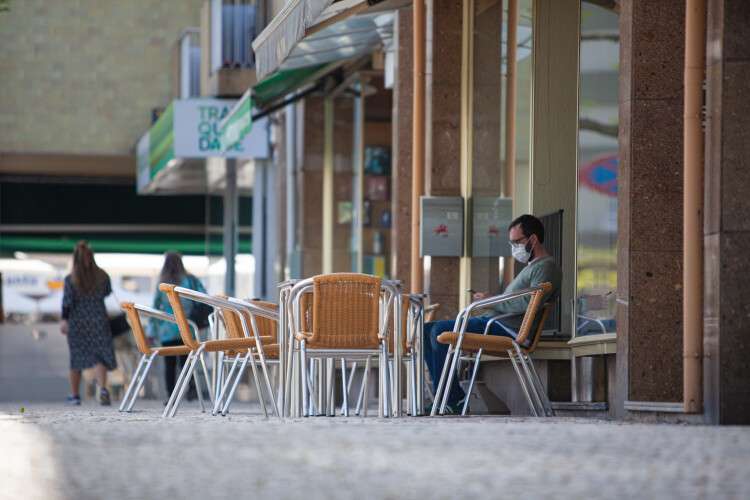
{"points": [[252, 310], [189, 367], [139, 377], [530, 382]]}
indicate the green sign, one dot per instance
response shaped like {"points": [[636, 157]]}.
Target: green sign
{"points": [[238, 123]]}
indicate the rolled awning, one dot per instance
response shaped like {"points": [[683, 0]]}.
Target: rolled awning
{"points": [[275, 43], [332, 30]]}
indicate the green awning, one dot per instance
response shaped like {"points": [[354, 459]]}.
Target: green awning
{"points": [[284, 82], [120, 243]]}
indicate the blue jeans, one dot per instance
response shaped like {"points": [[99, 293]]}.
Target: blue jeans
{"points": [[435, 352]]}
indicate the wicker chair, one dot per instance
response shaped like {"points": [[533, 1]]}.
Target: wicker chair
{"points": [[430, 312], [462, 342], [148, 353], [252, 346], [262, 318], [345, 324]]}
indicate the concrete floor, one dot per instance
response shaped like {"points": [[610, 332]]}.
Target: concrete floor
{"points": [[54, 451]]}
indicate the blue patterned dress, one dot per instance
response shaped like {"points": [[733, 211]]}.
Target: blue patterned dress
{"points": [[89, 336]]}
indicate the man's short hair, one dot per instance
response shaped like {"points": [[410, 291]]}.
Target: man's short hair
{"points": [[529, 225]]}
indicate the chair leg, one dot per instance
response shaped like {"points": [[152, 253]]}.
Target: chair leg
{"points": [[254, 367], [133, 381], [385, 395], [454, 368], [352, 371], [199, 390], [350, 380], [511, 356], [344, 388], [413, 370], [290, 379], [313, 385], [366, 387], [178, 386], [219, 369], [330, 375], [208, 379], [269, 386], [520, 355], [547, 406], [443, 376], [185, 379], [358, 407], [236, 382], [389, 404], [477, 359], [227, 380], [391, 386], [303, 372]]}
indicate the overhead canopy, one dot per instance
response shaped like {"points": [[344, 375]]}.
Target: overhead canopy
{"points": [[294, 39], [307, 41], [282, 34]]}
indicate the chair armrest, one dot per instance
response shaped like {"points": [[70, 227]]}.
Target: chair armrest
{"points": [[220, 303], [155, 313]]}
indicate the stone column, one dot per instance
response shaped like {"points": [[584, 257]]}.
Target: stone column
{"points": [[649, 226], [311, 184], [403, 93], [443, 129], [727, 206]]}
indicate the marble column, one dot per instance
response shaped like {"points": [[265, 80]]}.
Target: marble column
{"points": [[649, 268], [727, 210]]}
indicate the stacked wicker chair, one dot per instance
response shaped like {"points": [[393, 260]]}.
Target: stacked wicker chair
{"points": [[345, 324], [250, 346], [262, 318]]}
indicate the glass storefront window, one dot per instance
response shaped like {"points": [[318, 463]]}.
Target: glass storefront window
{"points": [[487, 128], [597, 170]]}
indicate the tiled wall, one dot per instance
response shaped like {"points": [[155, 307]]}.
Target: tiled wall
{"points": [[82, 77]]}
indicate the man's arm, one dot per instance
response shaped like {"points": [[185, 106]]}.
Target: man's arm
{"points": [[519, 305]]}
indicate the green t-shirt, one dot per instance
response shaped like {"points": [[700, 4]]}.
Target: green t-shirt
{"points": [[541, 270]]}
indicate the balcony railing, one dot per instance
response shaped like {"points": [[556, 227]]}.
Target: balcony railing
{"points": [[190, 63], [233, 28]]}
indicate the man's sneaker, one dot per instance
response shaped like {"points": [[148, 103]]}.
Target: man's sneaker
{"points": [[454, 409], [73, 400], [450, 409], [104, 397]]}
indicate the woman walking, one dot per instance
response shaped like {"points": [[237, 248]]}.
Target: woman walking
{"points": [[166, 333], [84, 321]]}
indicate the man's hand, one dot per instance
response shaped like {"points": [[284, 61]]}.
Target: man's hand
{"points": [[64, 327], [595, 302], [481, 296]]}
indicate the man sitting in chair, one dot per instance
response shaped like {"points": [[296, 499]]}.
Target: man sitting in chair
{"points": [[527, 245]]}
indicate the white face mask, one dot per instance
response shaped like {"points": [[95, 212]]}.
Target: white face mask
{"points": [[520, 254]]}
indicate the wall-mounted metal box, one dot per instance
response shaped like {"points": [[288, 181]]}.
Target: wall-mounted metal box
{"points": [[442, 225], [489, 226]]}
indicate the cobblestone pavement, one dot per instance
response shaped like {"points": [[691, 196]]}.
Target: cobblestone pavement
{"points": [[52, 451]]}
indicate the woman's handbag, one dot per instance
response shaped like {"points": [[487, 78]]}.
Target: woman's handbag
{"points": [[119, 325], [200, 311]]}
